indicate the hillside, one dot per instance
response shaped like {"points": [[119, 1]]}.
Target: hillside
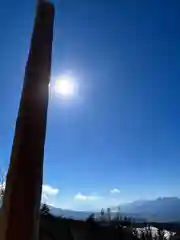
{"points": [[165, 209]]}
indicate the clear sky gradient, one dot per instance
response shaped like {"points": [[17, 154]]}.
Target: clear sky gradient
{"points": [[123, 129]]}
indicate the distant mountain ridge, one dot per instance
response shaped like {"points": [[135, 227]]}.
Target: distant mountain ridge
{"points": [[165, 209], [160, 209]]}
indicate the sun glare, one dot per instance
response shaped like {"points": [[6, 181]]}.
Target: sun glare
{"points": [[65, 86]]}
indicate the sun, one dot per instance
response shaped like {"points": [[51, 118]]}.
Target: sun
{"points": [[64, 86]]}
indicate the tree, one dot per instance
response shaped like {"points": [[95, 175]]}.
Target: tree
{"points": [[45, 210], [91, 218], [2, 190], [160, 233], [2, 186], [109, 214], [102, 217], [118, 213]]}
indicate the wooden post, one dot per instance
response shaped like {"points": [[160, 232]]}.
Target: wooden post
{"points": [[20, 210]]}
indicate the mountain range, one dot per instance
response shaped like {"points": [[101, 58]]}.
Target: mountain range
{"points": [[166, 209]]}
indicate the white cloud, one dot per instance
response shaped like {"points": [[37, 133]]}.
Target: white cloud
{"points": [[48, 194], [115, 190], [81, 197], [47, 189]]}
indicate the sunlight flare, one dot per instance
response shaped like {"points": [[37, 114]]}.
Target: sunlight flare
{"points": [[65, 86]]}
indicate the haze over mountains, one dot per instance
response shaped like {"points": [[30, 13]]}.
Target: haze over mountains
{"points": [[165, 209], [162, 209]]}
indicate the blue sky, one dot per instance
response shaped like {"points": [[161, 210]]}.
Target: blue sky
{"points": [[122, 131]]}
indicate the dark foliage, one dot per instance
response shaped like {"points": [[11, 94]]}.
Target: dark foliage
{"points": [[105, 228], [45, 209]]}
